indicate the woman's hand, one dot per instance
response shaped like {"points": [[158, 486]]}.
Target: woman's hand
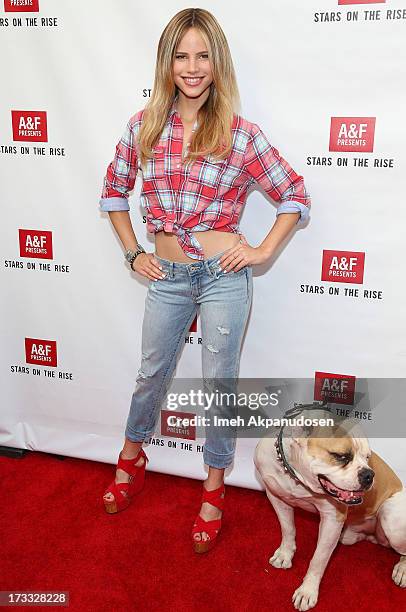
{"points": [[146, 265], [241, 255]]}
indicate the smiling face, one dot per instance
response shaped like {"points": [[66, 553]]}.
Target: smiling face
{"points": [[191, 67], [342, 469], [334, 461], [339, 467]]}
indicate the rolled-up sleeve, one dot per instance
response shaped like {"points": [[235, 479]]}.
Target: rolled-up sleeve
{"points": [[275, 175], [121, 174]]}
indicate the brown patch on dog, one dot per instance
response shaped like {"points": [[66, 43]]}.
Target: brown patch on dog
{"points": [[386, 483], [319, 446], [341, 511]]}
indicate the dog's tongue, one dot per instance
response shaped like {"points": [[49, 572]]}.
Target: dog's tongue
{"points": [[346, 495], [342, 494]]}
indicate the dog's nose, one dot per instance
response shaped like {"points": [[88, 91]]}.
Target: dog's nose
{"points": [[365, 477]]}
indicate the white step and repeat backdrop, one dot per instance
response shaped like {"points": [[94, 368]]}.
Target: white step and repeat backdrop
{"points": [[326, 81]]}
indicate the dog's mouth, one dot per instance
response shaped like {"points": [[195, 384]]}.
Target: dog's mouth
{"points": [[343, 495]]}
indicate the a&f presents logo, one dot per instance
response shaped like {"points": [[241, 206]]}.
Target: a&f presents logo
{"points": [[352, 134], [343, 267], [337, 388], [40, 352], [35, 243], [29, 126]]}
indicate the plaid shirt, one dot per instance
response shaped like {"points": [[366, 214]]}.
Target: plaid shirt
{"points": [[184, 198]]}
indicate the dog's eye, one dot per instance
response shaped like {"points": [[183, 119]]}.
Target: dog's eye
{"points": [[343, 458]]}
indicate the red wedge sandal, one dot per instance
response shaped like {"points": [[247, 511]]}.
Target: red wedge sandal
{"points": [[124, 491], [212, 528]]}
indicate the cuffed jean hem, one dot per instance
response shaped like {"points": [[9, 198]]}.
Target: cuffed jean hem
{"points": [[217, 460], [134, 436]]}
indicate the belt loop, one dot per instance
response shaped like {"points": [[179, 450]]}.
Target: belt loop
{"points": [[213, 267]]}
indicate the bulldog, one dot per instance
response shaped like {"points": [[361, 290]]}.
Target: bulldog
{"points": [[332, 471]]}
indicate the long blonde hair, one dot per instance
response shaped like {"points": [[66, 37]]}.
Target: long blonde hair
{"points": [[213, 135]]}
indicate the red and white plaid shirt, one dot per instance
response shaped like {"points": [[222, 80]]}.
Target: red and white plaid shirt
{"points": [[184, 198]]}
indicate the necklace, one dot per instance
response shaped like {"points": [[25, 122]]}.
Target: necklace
{"points": [[185, 150]]}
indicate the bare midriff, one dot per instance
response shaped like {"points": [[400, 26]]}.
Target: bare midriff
{"points": [[212, 242]]}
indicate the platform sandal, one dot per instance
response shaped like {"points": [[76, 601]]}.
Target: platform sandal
{"points": [[124, 491], [212, 528]]}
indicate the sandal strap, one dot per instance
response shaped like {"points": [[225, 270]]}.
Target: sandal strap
{"points": [[128, 465], [210, 527], [116, 490], [214, 497]]}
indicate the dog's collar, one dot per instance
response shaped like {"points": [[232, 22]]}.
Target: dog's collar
{"points": [[280, 453], [282, 457]]}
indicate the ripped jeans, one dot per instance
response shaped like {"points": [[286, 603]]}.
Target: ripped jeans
{"points": [[171, 304]]}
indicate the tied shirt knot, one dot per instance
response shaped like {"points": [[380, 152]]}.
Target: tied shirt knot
{"points": [[186, 238]]}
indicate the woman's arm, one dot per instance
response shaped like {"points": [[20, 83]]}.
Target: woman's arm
{"points": [[123, 226], [283, 225], [243, 254], [121, 174], [145, 263], [276, 176], [278, 179], [118, 182]]}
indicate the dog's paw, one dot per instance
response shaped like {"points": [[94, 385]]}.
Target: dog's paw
{"points": [[305, 597], [282, 557], [399, 573], [349, 536]]}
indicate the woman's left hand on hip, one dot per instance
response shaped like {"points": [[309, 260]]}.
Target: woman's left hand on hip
{"points": [[242, 254]]}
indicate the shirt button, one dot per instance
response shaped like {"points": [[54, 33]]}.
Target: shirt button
{"points": [[178, 165]]}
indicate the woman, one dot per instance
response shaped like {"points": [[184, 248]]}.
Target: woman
{"points": [[198, 158]]}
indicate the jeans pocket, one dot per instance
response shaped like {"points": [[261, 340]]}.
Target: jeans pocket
{"points": [[167, 278], [222, 272], [167, 274], [241, 271], [215, 269]]}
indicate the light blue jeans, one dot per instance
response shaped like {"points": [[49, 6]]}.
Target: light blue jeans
{"points": [[171, 304]]}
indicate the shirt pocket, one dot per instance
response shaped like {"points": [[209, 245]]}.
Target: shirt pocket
{"points": [[153, 181], [156, 166], [205, 178], [208, 172]]}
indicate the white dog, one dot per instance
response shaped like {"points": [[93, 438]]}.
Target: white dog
{"points": [[334, 473]]}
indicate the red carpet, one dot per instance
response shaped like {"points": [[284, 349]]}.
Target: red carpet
{"points": [[57, 536]]}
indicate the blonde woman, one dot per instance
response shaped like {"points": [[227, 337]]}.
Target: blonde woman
{"points": [[197, 157]]}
